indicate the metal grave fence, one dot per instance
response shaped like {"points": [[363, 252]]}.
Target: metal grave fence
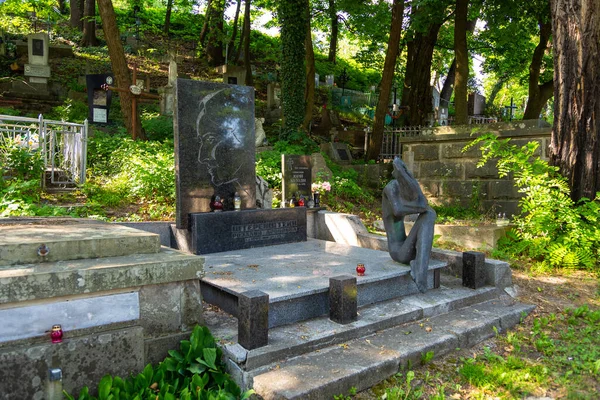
{"points": [[390, 145], [63, 146]]}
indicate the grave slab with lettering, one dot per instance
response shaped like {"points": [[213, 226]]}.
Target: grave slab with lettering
{"points": [[234, 230], [297, 177], [37, 68], [98, 99], [214, 146]]}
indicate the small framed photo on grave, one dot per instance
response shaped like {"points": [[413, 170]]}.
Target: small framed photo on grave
{"points": [[99, 100]]}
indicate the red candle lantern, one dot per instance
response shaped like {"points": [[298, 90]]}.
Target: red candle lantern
{"points": [[360, 269], [56, 334]]}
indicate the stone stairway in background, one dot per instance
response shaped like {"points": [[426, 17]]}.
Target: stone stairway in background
{"points": [[121, 299], [309, 356]]}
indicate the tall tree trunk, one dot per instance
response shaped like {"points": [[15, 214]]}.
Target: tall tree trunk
{"points": [[462, 62], [167, 26], [448, 88], [249, 80], [231, 46], [89, 24], [391, 55], [333, 39], [76, 19], [205, 25], [418, 97], [119, 65], [293, 19], [538, 94], [215, 35], [309, 91], [575, 144]]}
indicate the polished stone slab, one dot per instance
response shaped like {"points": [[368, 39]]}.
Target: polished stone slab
{"points": [[296, 277], [214, 146], [232, 230], [297, 178]]}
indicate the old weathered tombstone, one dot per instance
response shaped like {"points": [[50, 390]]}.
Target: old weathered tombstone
{"points": [[260, 136], [214, 146], [99, 100], [232, 74], [37, 68], [167, 93], [297, 179]]}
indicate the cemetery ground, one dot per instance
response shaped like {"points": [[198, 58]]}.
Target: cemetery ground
{"points": [[555, 352]]}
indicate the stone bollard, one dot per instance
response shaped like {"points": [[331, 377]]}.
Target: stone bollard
{"points": [[473, 273], [54, 387], [343, 299], [253, 319]]}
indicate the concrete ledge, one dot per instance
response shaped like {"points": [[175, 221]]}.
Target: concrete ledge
{"points": [[65, 278]]}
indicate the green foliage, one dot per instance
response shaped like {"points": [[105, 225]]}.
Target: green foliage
{"points": [[70, 111], [195, 371], [19, 159], [406, 391], [157, 127], [293, 17], [268, 166], [551, 230]]}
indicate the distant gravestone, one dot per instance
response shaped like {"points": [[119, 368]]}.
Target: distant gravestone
{"points": [[214, 146], [99, 100], [37, 68], [167, 93], [297, 178], [340, 153], [232, 74]]}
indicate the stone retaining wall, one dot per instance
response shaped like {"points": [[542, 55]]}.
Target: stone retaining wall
{"points": [[450, 176]]}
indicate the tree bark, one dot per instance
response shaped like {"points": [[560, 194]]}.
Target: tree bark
{"points": [[309, 91], [204, 30], [89, 24], [249, 80], [575, 144], [214, 36], [538, 94], [462, 62], [391, 54], [168, 17], [76, 19], [448, 88], [333, 39], [119, 65], [495, 89], [417, 91], [231, 46]]}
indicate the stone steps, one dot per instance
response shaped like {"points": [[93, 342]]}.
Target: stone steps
{"points": [[21, 240], [365, 361]]}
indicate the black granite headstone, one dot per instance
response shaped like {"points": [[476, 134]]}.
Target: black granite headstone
{"points": [[297, 177], [37, 47], [234, 230], [98, 99], [343, 300], [214, 146], [253, 319], [343, 153], [473, 274]]}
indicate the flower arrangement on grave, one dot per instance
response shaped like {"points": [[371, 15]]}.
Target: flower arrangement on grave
{"points": [[321, 187]]}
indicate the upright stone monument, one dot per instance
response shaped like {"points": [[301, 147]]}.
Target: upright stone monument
{"points": [[214, 146], [99, 100], [297, 178], [37, 69], [167, 93]]}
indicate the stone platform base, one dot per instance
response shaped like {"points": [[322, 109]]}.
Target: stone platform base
{"points": [[296, 277]]}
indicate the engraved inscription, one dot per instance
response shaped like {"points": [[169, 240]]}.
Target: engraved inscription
{"points": [[263, 230]]}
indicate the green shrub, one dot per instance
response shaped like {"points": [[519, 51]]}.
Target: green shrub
{"points": [[19, 159], [70, 111], [551, 229], [157, 127], [196, 371]]}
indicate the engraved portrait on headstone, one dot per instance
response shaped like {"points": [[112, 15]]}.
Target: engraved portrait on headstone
{"points": [[402, 197], [214, 146]]}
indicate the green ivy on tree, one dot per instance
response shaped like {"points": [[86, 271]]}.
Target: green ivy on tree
{"points": [[293, 18]]}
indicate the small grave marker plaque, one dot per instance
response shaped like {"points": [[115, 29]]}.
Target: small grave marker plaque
{"points": [[99, 100]]}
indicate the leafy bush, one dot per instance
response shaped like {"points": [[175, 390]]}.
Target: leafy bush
{"points": [[157, 127], [20, 159], [551, 229], [196, 371], [70, 111]]}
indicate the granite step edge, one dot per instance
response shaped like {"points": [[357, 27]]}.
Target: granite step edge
{"points": [[365, 361], [314, 334]]}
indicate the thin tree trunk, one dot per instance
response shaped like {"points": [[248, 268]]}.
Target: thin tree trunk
{"points": [[249, 80], [168, 17], [214, 37], [575, 144], [231, 46], [204, 30], [448, 88], [462, 62], [374, 147], [76, 19], [309, 91], [89, 24], [333, 39], [538, 94], [119, 65]]}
